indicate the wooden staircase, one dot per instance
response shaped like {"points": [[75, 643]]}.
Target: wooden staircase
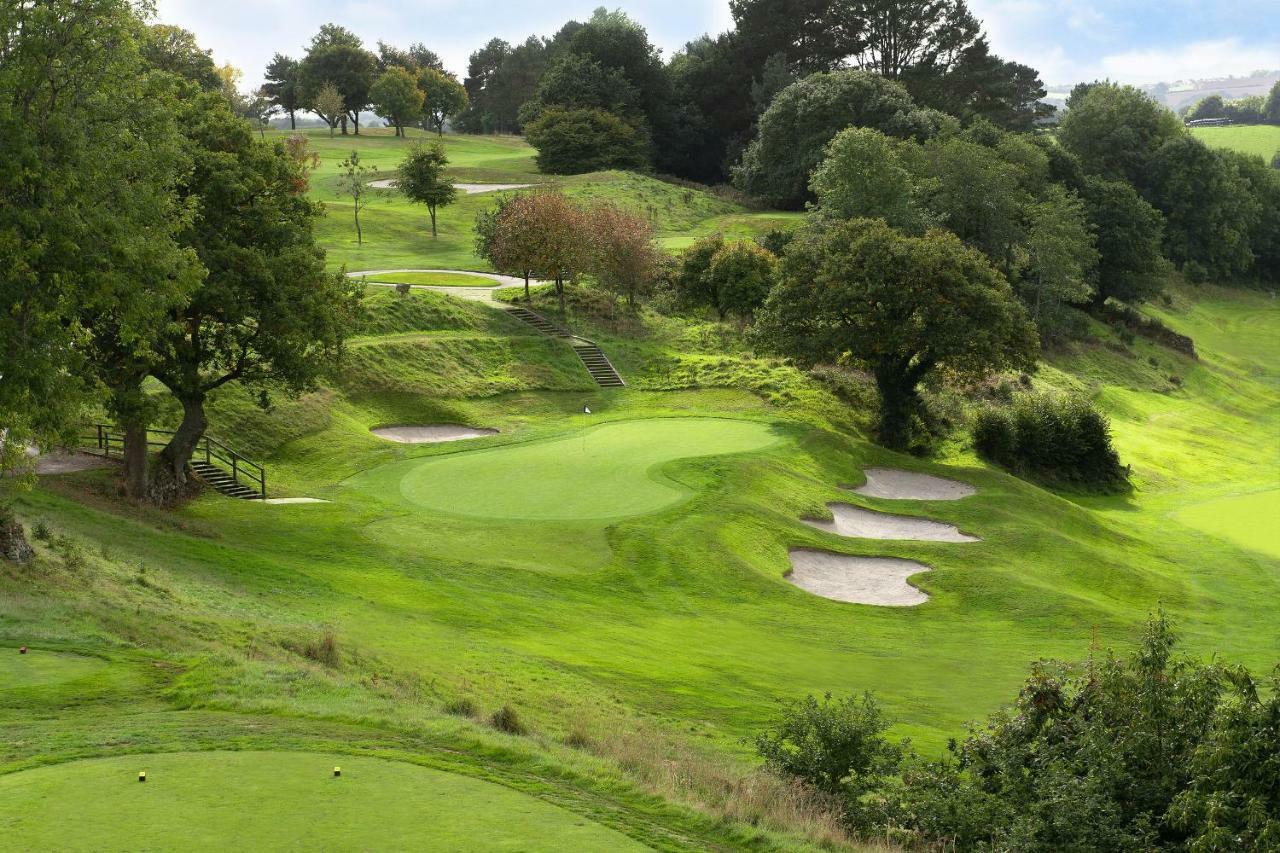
{"points": [[593, 358], [597, 364], [223, 482]]}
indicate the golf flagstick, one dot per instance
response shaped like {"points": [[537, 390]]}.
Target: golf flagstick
{"points": [[586, 410]]}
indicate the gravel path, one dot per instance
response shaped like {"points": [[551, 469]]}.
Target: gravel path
{"points": [[476, 294]]}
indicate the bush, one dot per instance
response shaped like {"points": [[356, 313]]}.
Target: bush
{"points": [[571, 142], [507, 719], [1059, 440], [324, 650], [461, 708], [835, 746]]}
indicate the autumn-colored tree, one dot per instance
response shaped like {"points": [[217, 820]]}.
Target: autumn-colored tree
{"points": [[624, 257], [506, 236], [560, 229]]}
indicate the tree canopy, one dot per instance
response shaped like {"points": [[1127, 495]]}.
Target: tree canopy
{"points": [[900, 306]]}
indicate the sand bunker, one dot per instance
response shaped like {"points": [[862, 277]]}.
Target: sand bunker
{"points": [[430, 434], [909, 486], [467, 189], [864, 524], [858, 580]]}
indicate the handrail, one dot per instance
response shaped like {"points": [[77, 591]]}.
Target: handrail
{"points": [[104, 439]]}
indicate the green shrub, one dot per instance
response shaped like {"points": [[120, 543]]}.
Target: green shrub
{"points": [[835, 746], [324, 650], [42, 531], [507, 719], [571, 142], [1058, 440], [463, 707]]}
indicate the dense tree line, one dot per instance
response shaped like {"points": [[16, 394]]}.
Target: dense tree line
{"points": [[693, 115], [1148, 751], [1253, 109], [338, 79], [146, 234]]}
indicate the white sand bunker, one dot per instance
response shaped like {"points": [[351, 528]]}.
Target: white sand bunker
{"points": [[466, 189], [858, 580], [909, 486], [430, 434], [864, 524]]}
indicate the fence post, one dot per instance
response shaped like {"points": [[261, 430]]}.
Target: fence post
{"points": [[235, 468], [264, 483], [207, 455]]}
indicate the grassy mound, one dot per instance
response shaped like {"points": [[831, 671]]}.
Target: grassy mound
{"points": [[1250, 521], [278, 800], [608, 471]]}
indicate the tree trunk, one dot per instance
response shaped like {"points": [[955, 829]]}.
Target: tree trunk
{"points": [[527, 297], [171, 479], [13, 539], [899, 404], [135, 458], [343, 122], [355, 120], [359, 236], [560, 293], [293, 125], [432, 209]]}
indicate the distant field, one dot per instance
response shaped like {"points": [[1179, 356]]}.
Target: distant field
{"points": [[1260, 139]]}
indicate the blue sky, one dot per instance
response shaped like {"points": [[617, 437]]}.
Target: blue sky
{"points": [[1134, 41]]}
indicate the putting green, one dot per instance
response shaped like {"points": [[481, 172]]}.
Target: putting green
{"points": [[278, 801], [436, 279], [1251, 521], [608, 471], [40, 668]]}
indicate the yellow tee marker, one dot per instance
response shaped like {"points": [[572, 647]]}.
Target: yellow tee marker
{"points": [[142, 776], [337, 771]]}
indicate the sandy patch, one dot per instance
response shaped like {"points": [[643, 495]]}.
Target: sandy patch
{"points": [[467, 189], [430, 434], [290, 501], [910, 486], [858, 580], [862, 523]]}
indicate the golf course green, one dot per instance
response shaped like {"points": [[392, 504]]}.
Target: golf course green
{"points": [[278, 800], [608, 471], [40, 668]]}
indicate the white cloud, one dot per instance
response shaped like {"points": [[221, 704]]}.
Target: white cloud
{"points": [[1201, 59]]}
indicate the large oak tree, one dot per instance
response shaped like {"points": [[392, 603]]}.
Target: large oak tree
{"points": [[901, 307]]}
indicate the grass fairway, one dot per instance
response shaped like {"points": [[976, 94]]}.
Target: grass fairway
{"points": [[398, 234], [1250, 521], [278, 801], [433, 279], [1262, 140], [609, 471]]}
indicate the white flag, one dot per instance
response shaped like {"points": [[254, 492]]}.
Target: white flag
{"points": [[586, 410]]}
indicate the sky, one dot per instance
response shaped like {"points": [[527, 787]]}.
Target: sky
{"points": [[1131, 41]]}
